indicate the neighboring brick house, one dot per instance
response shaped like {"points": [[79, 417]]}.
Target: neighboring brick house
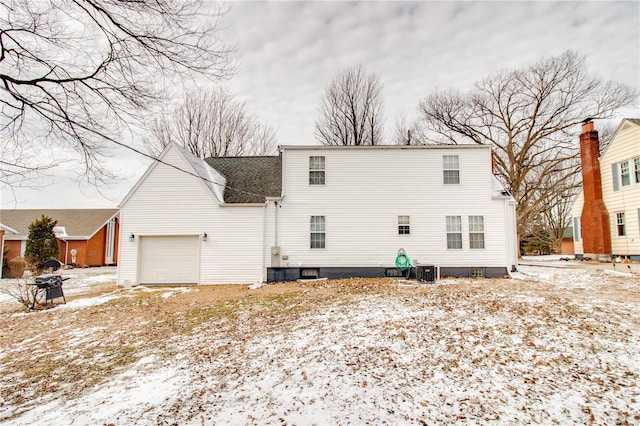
{"points": [[606, 213], [86, 237]]}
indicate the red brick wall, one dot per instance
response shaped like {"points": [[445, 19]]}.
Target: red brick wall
{"points": [[13, 248], [594, 221]]}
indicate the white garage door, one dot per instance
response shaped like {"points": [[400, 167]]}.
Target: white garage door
{"points": [[169, 259]]}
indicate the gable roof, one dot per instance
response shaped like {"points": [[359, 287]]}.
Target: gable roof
{"points": [[249, 179], [624, 124], [80, 224]]}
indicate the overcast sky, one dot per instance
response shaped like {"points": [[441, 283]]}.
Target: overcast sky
{"points": [[288, 52]]}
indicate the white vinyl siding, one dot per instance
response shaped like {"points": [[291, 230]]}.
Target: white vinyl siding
{"points": [[170, 202], [371, 187], [623, 148]]}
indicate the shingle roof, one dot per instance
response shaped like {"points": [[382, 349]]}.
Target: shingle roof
{"points": [[249, 179], [80, 223]]}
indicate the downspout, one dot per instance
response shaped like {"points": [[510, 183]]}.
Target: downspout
{"points": [[264, 237], [66, 251], [276, 224]]}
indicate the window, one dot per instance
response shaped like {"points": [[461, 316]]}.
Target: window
{"points": [[476, 232], [454, 232], [451, 169], [317, 232], [316, 170], [625, 173], [621, 224], [404, 225], [636, 164]]}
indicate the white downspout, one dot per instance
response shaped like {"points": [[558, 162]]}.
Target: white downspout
{"points": [[264, 242]]}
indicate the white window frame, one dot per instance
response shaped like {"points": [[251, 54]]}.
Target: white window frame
{"points": [[404, 225], [454, 233], [451, 169], [317, 164], [318, 234], [621, 224], [476, 232], [625, 173]]}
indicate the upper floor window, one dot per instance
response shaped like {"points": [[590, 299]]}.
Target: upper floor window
{"points": [[621, 224], [404, 225], [476, 232], [625, 173], [454, 232], [451, 169], [318, 235], [316, 170]]}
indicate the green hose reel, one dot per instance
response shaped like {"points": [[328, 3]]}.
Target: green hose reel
{"points": [[403, 263]]}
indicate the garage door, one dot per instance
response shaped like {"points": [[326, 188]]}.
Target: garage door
{"points": [[169, 259]]}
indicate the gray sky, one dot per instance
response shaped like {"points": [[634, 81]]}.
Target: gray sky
{"points": [[288, 52]]}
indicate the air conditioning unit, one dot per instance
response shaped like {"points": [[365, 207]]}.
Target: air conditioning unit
{"points": [[426, 273]]}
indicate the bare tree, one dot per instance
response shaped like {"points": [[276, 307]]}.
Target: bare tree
{"points": [[351, 110], [408, 133], [78, 74], [213, 124], [530, 117]]}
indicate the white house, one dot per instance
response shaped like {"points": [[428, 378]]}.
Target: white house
{"points": [[316, 211], [619, 167]]}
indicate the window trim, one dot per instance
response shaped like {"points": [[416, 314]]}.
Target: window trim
{"points": [[452, 232], [317, 229], [625, 173], [317, 170], [476, 229], [404, 228], [621, 224], [449, 178]]}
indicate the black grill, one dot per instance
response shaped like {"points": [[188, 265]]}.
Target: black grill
{"points": [[51, 285]]}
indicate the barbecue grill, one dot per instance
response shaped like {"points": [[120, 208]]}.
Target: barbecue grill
{"points": [[51, 286]]}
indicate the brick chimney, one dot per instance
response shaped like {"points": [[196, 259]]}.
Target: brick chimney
{"points": [[594, 221]]}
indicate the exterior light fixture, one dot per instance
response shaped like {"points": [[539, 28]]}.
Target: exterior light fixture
{"points": [[204, 237], [132, 237]]}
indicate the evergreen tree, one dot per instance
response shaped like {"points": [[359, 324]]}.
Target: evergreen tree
{"points": [[42, 244]]}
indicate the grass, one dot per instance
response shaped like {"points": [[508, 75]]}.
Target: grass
{"points": [[64, 352]]}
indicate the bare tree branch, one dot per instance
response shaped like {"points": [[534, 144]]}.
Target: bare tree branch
{"points": [[213, 124], [530, 117], [76, 73], [351, 110]]}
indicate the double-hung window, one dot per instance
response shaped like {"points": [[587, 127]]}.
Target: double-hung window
{"points": [[625, 173], [318, 235], [454, 232], [404, 225], [451, 169], [620, 221], [316, 170], [476, 232]]}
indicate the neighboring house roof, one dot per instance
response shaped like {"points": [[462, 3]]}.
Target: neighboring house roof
{"points": [[249, 179], [79, 224], [8, 229]]}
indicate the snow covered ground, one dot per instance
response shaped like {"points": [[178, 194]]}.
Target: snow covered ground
{"points": [[549, 346]]}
